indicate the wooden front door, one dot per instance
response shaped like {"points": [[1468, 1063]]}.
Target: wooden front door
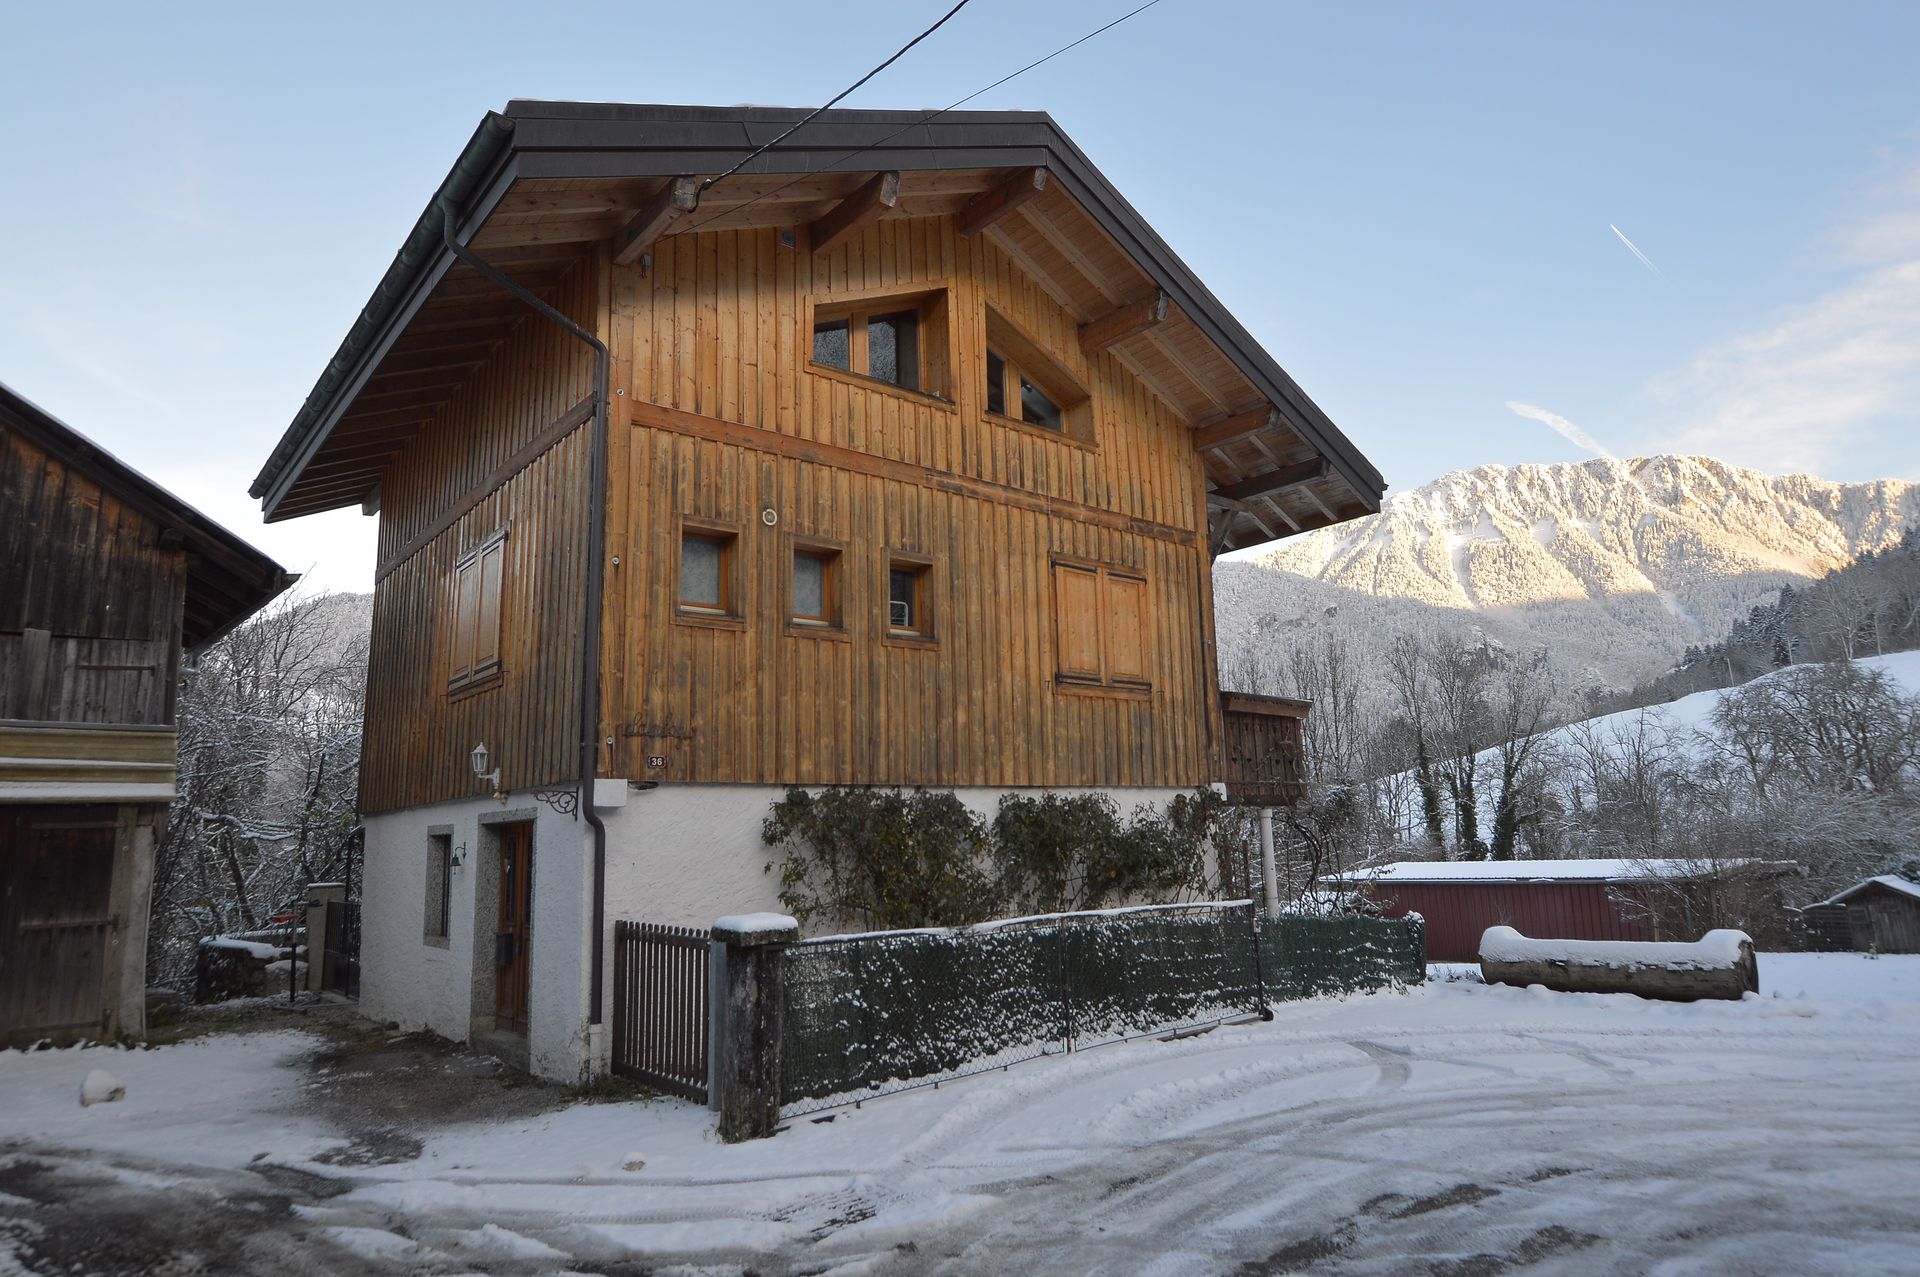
{"points": [[513, 937], [56, 925]]}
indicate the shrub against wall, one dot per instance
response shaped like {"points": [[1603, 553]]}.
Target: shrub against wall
{"points": [[888, 858]]}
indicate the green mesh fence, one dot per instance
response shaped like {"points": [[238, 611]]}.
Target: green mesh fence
{"points": [[867, 1015], [1312, 957]]}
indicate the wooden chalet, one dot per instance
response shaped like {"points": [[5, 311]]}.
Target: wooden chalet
{"points": [[896, 453], [105, 581]]}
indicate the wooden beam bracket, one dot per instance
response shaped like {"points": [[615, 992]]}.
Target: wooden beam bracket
{"points": [[674, 200], [856, 212], [1123, 322], [990, 205], [1272, 481]]}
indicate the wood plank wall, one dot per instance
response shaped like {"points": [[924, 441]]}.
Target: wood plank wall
{"points": [[91, 610], [715, 337], [418, 734]]}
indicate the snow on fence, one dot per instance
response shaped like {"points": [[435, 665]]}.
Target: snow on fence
{"points": [[869, 1014], [1720, 964]]}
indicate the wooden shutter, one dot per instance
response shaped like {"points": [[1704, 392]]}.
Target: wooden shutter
{"points": [[1076, 601], [486, 634], [1126, 629], [466, 607]]}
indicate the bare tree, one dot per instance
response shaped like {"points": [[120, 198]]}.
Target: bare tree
{"points": [[269, 763]]}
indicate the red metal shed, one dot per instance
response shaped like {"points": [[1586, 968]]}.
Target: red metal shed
{"points": [[1546, 899]]}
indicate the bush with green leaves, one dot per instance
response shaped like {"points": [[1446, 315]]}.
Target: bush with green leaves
{"points": [[880, 858], [886, 858]]}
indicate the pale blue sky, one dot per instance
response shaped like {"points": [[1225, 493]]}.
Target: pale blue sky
{"points": [[1409, 204]]}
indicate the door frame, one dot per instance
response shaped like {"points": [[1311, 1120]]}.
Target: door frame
{"points": [[483, 873]]}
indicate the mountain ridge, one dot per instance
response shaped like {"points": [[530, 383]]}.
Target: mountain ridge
{"points": [[1614, 566]]}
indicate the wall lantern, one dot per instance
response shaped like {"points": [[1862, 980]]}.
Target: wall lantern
{"points": [[479, 758], [458, 858]]}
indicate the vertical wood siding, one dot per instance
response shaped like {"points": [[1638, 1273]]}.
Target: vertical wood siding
{"points": [[717, 332], [418, 734], [91, 609]]}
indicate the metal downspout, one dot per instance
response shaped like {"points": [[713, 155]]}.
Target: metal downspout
{"points": [[596, 588]]}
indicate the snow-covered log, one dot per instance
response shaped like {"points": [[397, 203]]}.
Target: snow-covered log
{"points": [[1718, 965]]}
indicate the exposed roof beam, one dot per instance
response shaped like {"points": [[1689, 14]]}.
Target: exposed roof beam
{"points": [[1262, 485], [1175, 404], [1122, 322], [668, 204], [1071, 252], [989, 206], [1049, 284], [857, 212], [1233, 429], [1323, 507], [1201, 382]]}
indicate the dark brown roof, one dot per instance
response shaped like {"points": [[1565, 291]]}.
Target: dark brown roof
{"points": [[227, 579]]}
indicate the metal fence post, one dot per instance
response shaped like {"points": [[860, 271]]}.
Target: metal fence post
{"points": [[749, 1072]]}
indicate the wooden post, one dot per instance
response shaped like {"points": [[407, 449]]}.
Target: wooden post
{"points": [[749, 1070]]}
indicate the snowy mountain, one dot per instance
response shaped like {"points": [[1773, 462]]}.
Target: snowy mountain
{"points": [[1613, 566]]}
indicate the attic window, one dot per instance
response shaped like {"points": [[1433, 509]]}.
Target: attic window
{"points": [[1025, 383], [898, 340]]}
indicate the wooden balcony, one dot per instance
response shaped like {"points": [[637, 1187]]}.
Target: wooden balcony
{"points": [[1262, 760]]}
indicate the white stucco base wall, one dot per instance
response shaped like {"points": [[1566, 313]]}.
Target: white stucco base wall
{"points": [[447, 986], [681, 855]]}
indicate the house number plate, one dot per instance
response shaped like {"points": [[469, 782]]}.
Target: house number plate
{"points": [[656, 761]]}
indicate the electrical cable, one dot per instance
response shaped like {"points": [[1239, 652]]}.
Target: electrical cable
{"points": [[802, 123], [930, 116]]}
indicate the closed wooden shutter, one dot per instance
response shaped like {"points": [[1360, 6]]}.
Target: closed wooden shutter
{"points": [[486, 640], [1126, 629], [466, 608], [1076, 600]]}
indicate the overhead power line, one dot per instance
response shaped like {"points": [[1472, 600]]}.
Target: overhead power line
{"points": [[925, 119], [840, 97]]}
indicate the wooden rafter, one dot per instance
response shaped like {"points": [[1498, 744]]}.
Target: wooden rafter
{"points": [[1274, 481], [1070, 251], [1037, 273], [677, 198], [1233, 429], [1201, 382], [989, 206], [856, 212], [1122, 322]]}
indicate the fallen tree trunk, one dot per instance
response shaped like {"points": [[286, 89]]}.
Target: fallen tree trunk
{"points": [[1720, 964]]}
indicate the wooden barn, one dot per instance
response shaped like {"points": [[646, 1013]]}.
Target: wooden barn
{"points": [[106, 581], [1875, 915], [894, 453], [1575, 899]]}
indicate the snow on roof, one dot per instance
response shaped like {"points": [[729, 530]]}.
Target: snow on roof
{"points": [[1617, 870], [1905, 886]]}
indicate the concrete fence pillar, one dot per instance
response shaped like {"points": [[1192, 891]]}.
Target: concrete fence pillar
{"points": [[751, 1011]]}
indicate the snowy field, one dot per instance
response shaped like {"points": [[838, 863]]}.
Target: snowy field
{"points": [[1457, 1129]]}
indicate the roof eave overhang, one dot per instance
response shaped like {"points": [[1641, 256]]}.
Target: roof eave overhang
{"points": [[568, 140]]}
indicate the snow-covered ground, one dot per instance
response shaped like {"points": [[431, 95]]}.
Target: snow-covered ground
{"points": [[1454, 1129]]}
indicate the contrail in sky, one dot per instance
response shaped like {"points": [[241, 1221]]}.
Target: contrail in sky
{"points": [[1635, 250], [1561, 426]]}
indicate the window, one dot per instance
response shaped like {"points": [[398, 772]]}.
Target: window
{"points": [[1100, 626], [900, 341], [439, 886], [1026, 384], [909, 607], [706, 572], [478, 578], [815, 594]]}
